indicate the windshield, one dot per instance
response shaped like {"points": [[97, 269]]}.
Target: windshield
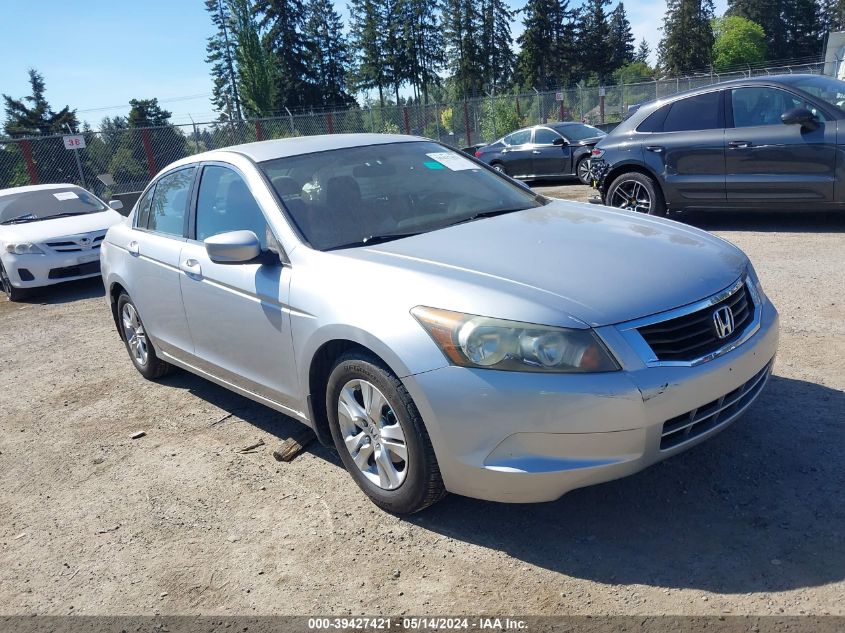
{"points": [[579, 131], [348, 197], [43, 204], [829, 90]]}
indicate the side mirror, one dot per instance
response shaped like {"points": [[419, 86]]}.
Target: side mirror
{"points": [[117, 205], [234, 247], [800, 116], [560, 141]]}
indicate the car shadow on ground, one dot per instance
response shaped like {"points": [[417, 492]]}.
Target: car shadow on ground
{"points": [[760, 507], [776, 222], [66, 292]]}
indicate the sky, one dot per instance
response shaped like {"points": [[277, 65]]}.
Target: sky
{"points": [[96, 55]]}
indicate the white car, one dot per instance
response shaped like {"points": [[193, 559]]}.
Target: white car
{"points": [[50, 234]]}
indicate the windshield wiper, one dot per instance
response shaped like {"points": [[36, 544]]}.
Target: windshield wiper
{"points": [[486, 214], [21, 219], [66, 215], [375, 239]]}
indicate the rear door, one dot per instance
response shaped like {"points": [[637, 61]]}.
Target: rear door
{"points": [[237, 312], [772, 163], [156, 242], [517, 153], [685, 146], [550, 159]]}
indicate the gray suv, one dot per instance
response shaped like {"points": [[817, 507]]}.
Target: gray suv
{"points": [[766, 142]]}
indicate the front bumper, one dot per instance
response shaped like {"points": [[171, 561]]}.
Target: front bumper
{"points": [[521, 437], [32, 271]]}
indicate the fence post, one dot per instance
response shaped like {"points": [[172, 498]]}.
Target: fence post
{"points": [[466, 124], [26, 149], [407, 120], [562, 118], [148, 150], [259, 131], [518, 113], [437, 120], [330, 123]]}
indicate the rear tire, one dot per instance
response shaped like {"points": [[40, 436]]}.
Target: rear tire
{"points": [[499, 168], [636, 192], [380, 435], [582, 170], [14, 294], [138, 344]]}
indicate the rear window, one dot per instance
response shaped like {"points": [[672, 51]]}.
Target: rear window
{"points": [[32, 206], [701, 112]]}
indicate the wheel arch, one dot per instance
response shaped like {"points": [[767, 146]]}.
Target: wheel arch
{"points": [[115, 288]]}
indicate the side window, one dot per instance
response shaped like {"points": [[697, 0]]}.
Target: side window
{"points": [[142, 215], [518, 138], [225, 204], [545, 136], [170, 202], [763, 106], [654, 121], [701, 112]]}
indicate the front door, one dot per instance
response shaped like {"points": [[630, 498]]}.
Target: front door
{"points": [[770, 162], [238, 312], [517, 154], [551, 159]]}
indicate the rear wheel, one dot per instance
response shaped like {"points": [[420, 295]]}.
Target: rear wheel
{"points": [[636, 192], [582, 170], [140, 348], [380, 435], [499, 168], [14, 294]]}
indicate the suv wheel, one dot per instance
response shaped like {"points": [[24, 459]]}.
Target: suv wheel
{"points": [[140, 348], [380, 435], [636, 192]]}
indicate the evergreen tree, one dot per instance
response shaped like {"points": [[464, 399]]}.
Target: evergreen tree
{"points": [[803, 33], [595, 38], [621, 39], [221, 57], [833, 15], [462, 29], [769, 15], [33, 115], [547, 56], [643, 52], [394, 49], [687, 43], [328, 56], [497, 56], [423, 41], [283, 23], [366, 41], [255, 64], [167, 142]]}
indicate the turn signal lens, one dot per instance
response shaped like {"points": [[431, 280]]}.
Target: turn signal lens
{"points": [[475, 341]]}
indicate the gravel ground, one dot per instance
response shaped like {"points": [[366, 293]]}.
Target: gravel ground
{"points": [[179, 521]]}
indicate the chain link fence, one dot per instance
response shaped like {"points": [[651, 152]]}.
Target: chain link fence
{"points": [[132, 156]]}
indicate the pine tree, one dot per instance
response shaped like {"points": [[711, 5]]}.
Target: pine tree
{"points": [[221, 57], [366, 40], [328, 57], [256, 66], [621, 39], [37, 117], [643, 52], [595, 39], [423, 41], [462, 28], [687, 42], [394, 49], [801, 19], [497, 56], [769, 14], [547, 56], [833, 15], [282, 23]]}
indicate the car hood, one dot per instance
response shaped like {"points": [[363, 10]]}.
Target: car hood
{"points": [[595, 264], [59, 227]]}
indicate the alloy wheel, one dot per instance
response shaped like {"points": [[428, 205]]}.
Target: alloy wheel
{"points": [[372, 434], [584, 170], [136, 336], [499, 168], [631, 195]]}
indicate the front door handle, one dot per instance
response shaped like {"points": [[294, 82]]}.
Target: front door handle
{"points": [[739, 144], [133, 248], [657, 149], [536, 151], [191, 267]]}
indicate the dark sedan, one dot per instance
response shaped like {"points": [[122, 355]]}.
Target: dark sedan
{"points": [[760, 143], [544, 151]]}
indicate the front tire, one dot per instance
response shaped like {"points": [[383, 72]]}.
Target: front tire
{"points": [[138, 344], [380, 435], [636, 192], [14, 294]]}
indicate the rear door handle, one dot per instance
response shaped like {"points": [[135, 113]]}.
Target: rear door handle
{"points": [[191, 267], [657, 149], [536, 151], [133, 248], [739, 144]]}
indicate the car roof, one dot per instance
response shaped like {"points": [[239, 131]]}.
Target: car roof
{"points": [[285, 147], [29, 188]]}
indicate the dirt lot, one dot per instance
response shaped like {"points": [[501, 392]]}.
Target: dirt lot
{"points": [[180, 522]]}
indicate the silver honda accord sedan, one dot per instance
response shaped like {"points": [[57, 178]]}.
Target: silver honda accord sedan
{"points": [[442, 326]]}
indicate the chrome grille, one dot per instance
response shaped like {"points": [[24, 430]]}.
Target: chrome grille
{"points": [[76, 243], [707, 417], [693, 335]]}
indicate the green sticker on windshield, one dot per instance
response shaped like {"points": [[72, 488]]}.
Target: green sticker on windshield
{"points": [[433, 164]]}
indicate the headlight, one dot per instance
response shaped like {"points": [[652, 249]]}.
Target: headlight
{"points": [[24, 248], [755, 280], [476, 341]]}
